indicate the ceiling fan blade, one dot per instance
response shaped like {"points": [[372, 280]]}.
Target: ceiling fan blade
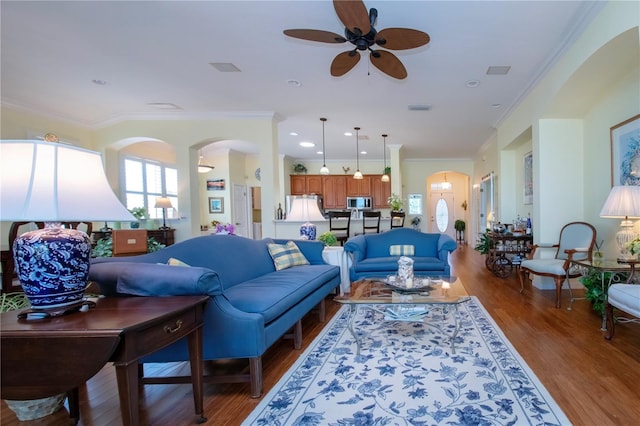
{"points": [[353, 14], [316, 35], [388, 63], [401, 38], [344, 62]]}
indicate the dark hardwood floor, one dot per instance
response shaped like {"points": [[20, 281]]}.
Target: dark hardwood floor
{"points": [[595, 382]]}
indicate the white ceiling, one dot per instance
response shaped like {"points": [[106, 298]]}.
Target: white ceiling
{"points": [[160, 52]]}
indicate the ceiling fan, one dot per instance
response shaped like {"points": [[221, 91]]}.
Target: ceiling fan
{"points": [[359, 31]]}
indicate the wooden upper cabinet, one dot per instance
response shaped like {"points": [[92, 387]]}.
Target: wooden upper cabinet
{"points": [[335, 191], [314, 184], [306, 184], [359, 187], [381, 192]]}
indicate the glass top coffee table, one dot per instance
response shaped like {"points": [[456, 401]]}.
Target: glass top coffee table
{"points": [[398, 303]]}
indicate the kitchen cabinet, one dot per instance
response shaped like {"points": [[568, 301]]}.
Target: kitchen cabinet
{"points": [[335, 191], [359, 187], [381, 192], [306, 184]]}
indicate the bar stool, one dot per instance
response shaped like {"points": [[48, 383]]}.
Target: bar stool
{"points": [[397, 219], [371, 221], [338, 223]]}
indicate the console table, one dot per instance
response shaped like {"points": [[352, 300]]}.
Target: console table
{"points": [[163, 236], [505, 251], [46, 357]]}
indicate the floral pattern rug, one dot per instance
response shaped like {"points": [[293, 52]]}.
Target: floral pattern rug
{"points": [[406, 374]]}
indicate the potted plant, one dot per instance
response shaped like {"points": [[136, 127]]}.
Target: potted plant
{"points": [[328, 238], [395, 202], [460, 226], [387, 171], [139, 213], [299, 168], [104, 247]]}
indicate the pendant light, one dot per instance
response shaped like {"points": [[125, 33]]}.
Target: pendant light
{"points": [[324, 170], [203, 168], [357, 174], [385, 176], [446, 186]]}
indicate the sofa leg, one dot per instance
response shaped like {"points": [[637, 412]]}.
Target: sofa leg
{"points": [[255, 372], [297, 335], [322, 315], [611, 325]]}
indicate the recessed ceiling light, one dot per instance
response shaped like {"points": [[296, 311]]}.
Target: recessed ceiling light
{"points": [[363, 152], [348, 134], [419, 107], [472, 83], [498, 70], [293, 134], [99, 82], [294, 83], [319, 152], [307, 144], [163, 105], [224, 66]]}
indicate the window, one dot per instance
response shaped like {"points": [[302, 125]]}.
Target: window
{"points": [[147, 180]]}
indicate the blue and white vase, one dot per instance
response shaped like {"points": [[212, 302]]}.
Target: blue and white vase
{"points": [[53, 266]]}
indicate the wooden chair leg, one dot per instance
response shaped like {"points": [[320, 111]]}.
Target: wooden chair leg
{"points": [[610, 321], [559, 282], [255, 372], [522, 275]]}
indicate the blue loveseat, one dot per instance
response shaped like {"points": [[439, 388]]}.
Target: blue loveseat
{"points": [[252, 304], [371, 253]]}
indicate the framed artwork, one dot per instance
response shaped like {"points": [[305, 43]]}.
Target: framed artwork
{"points": [[528, 178], [625, 152], [215, 184], [216, 205]]}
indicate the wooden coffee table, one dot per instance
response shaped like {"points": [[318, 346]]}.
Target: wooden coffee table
{"points": [[378, 295], [46, 357]]}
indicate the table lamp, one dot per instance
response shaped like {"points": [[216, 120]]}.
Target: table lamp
{"points": [[53, 182], [164, 203], [305, 210], [623, 202]]}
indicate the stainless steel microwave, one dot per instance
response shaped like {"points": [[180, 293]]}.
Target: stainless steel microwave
{"points": [[360, 203]]}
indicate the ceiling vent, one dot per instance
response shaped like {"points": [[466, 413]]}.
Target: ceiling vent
{"points": [[498, 70], [419, 107], [224, 66]]}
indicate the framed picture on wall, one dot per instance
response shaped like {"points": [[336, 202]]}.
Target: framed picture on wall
{"points": [[216, 205], [625, 152], [528, 178], [215, 185]]}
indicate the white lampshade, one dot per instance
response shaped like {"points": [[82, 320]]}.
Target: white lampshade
{"points": [[304, 210], [623, 202], [324, 170], [357, 174], [53, 182], [163, 203]]}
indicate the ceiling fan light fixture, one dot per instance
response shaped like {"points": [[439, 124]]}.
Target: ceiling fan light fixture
{"points": [[324, 170]]}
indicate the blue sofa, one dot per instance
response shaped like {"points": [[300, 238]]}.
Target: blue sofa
{"points": [[252, 304], [370, 253]]}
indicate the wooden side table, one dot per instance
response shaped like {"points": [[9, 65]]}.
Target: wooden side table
{"points": [[46, 357]]}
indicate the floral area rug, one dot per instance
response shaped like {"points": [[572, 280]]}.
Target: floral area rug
{"points": [[406, 374]]}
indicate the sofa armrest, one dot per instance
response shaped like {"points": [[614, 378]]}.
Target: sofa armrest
{"points": [[151, 279], [446, 245], [357, 246]]}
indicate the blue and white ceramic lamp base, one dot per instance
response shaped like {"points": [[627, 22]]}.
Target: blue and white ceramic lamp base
{"points": [[53, 266], [308, 231]]}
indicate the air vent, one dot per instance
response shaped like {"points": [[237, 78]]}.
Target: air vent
{"points": [[498, 70], [363, 137], [224, 66], [419, 107]]}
